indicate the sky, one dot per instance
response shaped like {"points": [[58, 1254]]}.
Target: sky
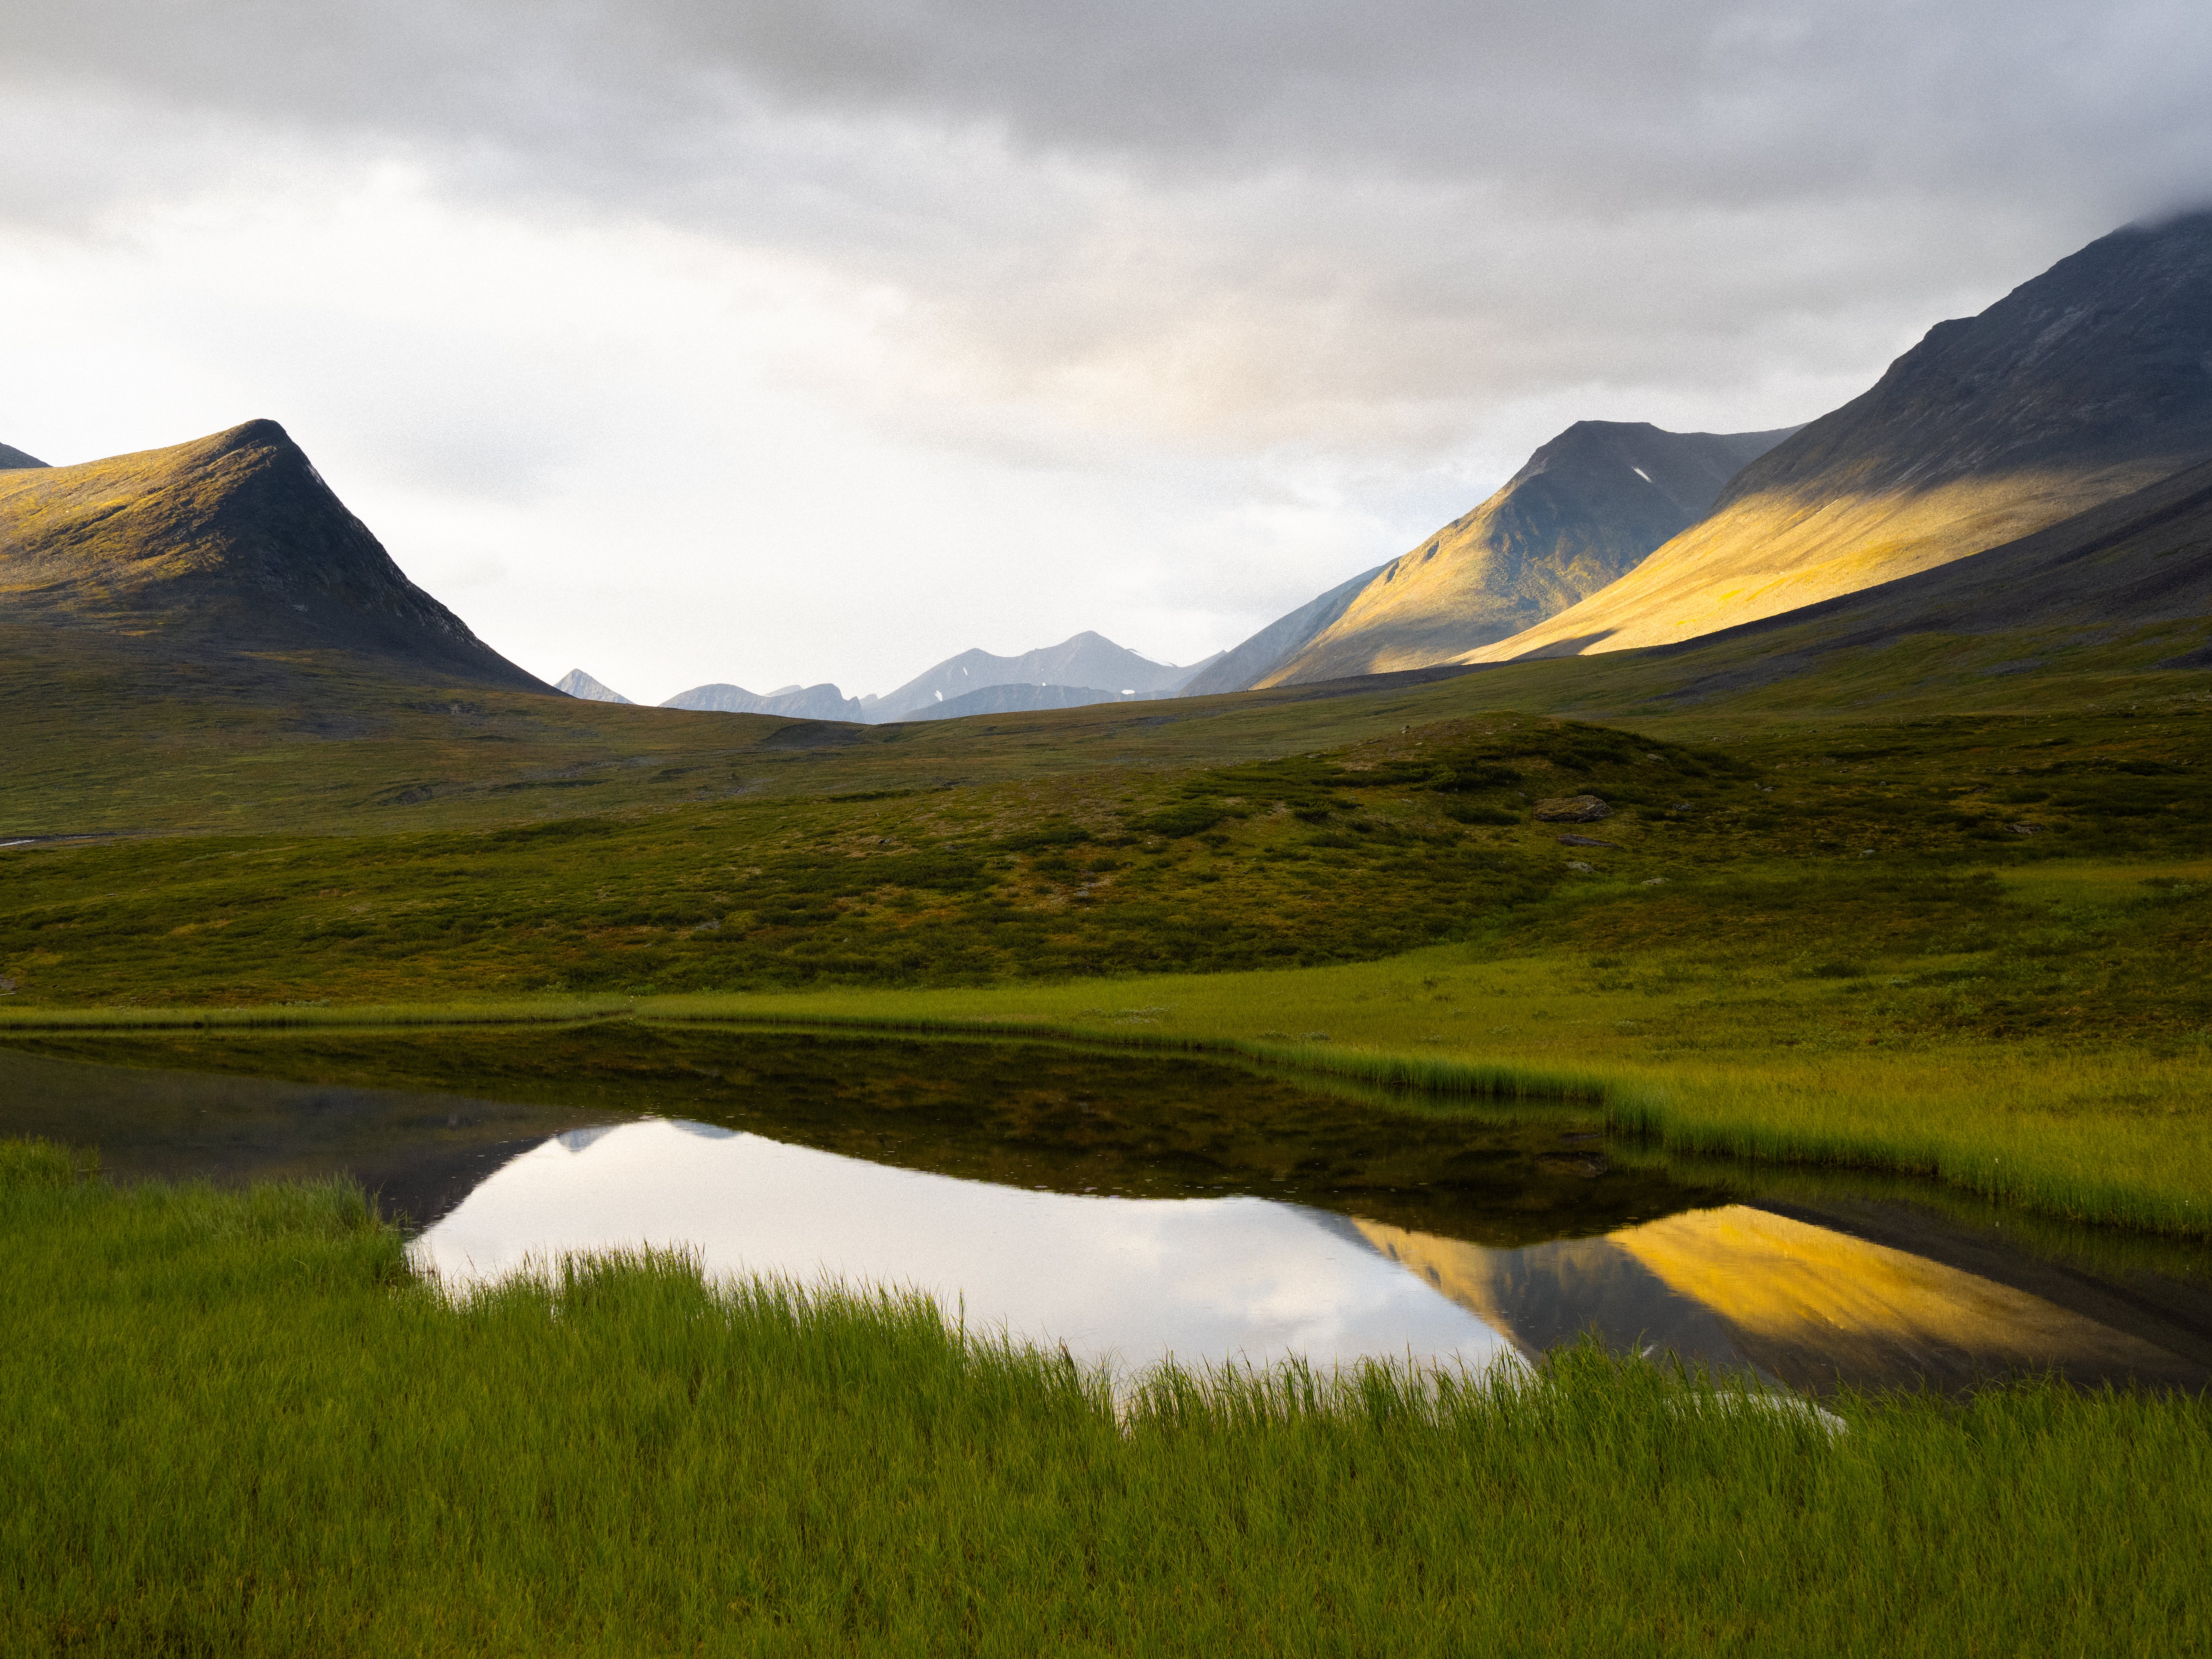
{"points": [[790, 341]]}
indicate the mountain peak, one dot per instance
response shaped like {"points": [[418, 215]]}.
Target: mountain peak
{"points": [[1587, 505], [2107, 355], [1087, 658], [577, 683], [235, 537], [2091, 381]]}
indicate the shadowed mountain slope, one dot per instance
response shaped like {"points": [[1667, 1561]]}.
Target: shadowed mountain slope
{"points": [[577, 683], [1589, 506], [12, 458], [231, 543], [1248, 664], [2090, 382]]}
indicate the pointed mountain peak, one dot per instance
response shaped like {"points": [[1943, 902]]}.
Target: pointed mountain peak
{"points": [[233, 539], [577, 683]]}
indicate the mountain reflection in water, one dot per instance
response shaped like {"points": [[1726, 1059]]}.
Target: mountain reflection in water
{"points": [[1132, 1206], [1806, 1305], [1126, 1281], [1133, 1281]]}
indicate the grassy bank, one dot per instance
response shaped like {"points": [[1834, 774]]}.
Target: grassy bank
{"points": [[1740, 1058], [237, 1426], [1796, 1069]]}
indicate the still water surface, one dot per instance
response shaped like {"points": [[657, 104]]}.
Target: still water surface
{"points": [[1126, 1280], [1132, 1207]]}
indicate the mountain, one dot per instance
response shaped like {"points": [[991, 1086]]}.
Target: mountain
{"points": [[229, 544], [1244, 665], [1086, 660], [1019, 699], [2123, 566], [1590, 506], [577, 683], [813, 703], [2090, 382], [12, 458]]}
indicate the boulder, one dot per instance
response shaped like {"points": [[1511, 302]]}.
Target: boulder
{"points": [[1573, 809]]}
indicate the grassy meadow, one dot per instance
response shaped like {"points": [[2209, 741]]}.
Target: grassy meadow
{"points": [[240, 1425], [1968, 945]]}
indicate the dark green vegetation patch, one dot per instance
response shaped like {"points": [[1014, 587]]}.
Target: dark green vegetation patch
{"points": [[1835, 835]]}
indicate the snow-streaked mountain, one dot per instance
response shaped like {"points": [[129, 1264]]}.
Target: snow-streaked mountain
{"points": [[1590, 506]]}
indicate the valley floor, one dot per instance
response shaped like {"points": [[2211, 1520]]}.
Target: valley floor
{"points": [[1966, 945]]}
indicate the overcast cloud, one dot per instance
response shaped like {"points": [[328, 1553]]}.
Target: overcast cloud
{"points": [[789, 341]]}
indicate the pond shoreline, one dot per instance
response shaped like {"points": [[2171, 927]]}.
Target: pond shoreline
{"points": [[1880, 1112]]}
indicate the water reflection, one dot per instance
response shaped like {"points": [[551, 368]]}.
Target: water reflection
{"points": [[1126, 1280], [1132, 1207], [1795, 1303]]}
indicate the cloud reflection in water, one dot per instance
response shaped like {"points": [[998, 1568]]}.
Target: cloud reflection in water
{"points": [[1129, 1280]]}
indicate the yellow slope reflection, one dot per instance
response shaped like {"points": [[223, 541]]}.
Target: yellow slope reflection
{"points": [[1804, 1304]]}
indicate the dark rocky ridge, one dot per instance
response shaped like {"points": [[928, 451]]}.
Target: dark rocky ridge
{"points": [[232, 542], [2107, 355], [2090, 382], [12, 458]]}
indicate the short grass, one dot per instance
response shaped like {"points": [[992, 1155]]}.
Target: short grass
{"points": [[237, 1426], [117, 732], [1825, 852]]}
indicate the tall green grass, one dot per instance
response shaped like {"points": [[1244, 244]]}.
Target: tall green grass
{"points": [[237, 1426]]}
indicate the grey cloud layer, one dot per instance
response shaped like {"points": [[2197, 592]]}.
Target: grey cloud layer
{"points": [[1234, 221], [1698, 101]]}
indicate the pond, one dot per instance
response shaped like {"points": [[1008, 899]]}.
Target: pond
{"points": [[1128, 1206]]}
